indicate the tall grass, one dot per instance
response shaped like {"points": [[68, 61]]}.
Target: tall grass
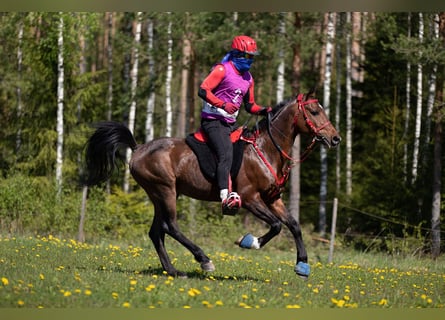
{"points": [[46, 272]]}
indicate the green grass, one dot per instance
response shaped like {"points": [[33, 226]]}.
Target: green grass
{"points": [[47, 272]]}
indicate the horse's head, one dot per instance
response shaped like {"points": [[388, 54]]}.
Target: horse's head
{"points": [[311, 118]]}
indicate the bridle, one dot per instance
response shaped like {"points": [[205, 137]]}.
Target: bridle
{"points": [[291, 162], [316, 137]]}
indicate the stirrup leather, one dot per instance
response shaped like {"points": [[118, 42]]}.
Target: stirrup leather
{"points": [[231, 204]]}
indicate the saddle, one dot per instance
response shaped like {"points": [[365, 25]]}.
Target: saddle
{"points": [[197, 141]]}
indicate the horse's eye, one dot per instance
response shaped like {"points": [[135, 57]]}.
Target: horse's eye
{"points": [[314, 112]]}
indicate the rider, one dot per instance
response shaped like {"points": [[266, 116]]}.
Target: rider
{"points": [[227, 86]]}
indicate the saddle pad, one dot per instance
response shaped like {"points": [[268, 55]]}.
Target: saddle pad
{"points": [[207, 159]]}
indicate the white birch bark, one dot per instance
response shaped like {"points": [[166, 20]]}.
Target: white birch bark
{"points": [[338, 86], [330, 34], [168, 80], [186, 53], [348, 107], [134, 84], [434, 26], [110, 34], [418, 126], [437, 155], [60, 97], [149, 129], [408, 106], [280, 70], [19, 88]]}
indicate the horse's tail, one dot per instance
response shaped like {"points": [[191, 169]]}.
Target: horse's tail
{"points": [[105, 148]]}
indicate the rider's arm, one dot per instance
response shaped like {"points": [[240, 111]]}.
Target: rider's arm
{"points": [[211, 82], [249, 101]]}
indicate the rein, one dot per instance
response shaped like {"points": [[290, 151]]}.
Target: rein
{"points": [[280, 182]]}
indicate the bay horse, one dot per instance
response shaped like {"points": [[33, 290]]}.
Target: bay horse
{"points": [[167, 167]]}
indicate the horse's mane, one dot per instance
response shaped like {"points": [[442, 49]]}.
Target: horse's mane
{"points": [[262, 124]]}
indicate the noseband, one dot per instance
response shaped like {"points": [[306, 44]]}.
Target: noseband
{"points": [[314, 130]]}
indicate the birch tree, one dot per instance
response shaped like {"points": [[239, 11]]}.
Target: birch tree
{"points": [[110, 37], [186, 55], [438, 142], [280, 69], [295, 194], [149, 129], [419, 106], [60, 103], [338, 86], [348, 107], [330, 34], [19, 88], [134, 84], [408, 105], [168, 80]]}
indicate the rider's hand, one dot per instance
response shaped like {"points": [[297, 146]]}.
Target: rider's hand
{"points": [[230, 108], [265, 111]]}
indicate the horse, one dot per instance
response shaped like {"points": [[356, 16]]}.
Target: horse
{"points": [[166, 167]]}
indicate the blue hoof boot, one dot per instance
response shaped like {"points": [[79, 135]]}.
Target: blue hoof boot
{"points": [[247, 241], [302, 269]]}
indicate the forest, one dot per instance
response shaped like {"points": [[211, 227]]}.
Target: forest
{"points": [[379, 77]]}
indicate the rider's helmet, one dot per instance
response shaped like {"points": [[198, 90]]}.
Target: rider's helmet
{"points": [[245, 44]]}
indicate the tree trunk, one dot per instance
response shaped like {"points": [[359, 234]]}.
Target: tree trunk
{"points": [[280, 70], [348, 107], [18, 141], [437, 156], [408, 107], [149, 129], [419, 107], [295, 194], [134, 84], [168, 80], [109, 37], [338, 85], [330, 34], [60, 96], [186, 53]]}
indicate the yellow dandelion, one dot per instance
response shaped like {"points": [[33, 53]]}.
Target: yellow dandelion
{"points": [[126, 304], [193, 292], [150, 287], [5, 281], [67, 294], [315, 290], [293, 306], [87, 292], [115, 295], [219, 303], [383, 302], [20, 303], [41, 276], [133, 282], [244, 296], [187, 307]]}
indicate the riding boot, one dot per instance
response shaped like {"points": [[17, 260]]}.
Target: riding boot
{"points": [[231, 204]]}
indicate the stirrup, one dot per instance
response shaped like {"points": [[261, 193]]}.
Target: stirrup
{"points": [[231, 204]]}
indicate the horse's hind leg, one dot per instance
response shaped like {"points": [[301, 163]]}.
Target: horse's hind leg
{"points": [[165, 222]]}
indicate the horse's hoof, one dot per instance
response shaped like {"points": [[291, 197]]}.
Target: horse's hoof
{"points": [[208, 266], [303, 270], [248, 242]]}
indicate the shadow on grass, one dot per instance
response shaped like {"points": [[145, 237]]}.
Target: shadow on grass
{"points": [[189, 275]]}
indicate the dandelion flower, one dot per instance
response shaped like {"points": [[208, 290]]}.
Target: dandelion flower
{"points": [[20, 303], [67, 293], [126, 304], [87, 292], [5, 281]]}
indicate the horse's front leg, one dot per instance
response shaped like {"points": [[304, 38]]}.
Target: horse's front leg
{"points": [[262, 212], [275, 214]]}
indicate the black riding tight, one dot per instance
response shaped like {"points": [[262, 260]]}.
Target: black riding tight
{"points": [[218, 133]]}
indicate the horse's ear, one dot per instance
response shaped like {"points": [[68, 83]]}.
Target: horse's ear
{"points": [[311, 93]]}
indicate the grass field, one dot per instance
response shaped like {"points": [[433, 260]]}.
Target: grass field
{"points": [[48, 272]]}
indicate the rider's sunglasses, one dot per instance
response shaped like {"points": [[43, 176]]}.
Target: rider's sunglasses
{"points": [[245, 55]]}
